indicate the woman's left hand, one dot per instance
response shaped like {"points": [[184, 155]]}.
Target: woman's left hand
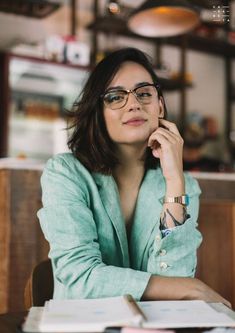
{"points": [[167, 145]]}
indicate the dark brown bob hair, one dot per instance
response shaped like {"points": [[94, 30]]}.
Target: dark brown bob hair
{"points": [[90, 141]]}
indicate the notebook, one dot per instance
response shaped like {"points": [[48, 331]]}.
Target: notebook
{"points": [[95, 315]]}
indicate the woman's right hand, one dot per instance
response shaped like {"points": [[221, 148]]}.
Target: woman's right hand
{"points": [[180, 288]]}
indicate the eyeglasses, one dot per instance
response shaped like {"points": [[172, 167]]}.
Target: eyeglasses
{"points": [[118, 98]]}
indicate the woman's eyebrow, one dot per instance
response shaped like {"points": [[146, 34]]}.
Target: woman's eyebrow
{"points": [[115, 88], [142, 83], [123, 88]]}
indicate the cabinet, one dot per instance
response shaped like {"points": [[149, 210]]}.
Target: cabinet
{"points": [[33, 98]]}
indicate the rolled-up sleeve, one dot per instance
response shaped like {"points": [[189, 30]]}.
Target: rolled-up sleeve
{"points": [[176, 254]]}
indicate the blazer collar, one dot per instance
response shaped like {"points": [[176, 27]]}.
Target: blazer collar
{"points": [[146, 213], [151, 176], [110, 197]]}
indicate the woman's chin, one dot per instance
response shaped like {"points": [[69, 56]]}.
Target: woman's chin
{"points": [[141, 142]]}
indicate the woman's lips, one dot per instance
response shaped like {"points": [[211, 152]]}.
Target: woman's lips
{"points": [[135, 122]]}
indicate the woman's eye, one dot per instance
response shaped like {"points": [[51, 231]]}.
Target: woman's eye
{"points": [[144, 94], [114, 98]]}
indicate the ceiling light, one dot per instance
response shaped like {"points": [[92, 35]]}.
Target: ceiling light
{"points": [[160, 18]]}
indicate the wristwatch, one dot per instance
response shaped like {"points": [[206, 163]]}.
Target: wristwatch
{"points": [[183, 200]]}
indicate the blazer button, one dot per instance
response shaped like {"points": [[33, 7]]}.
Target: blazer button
{"points": [[162, 252], [163, 265], [158, 238]]}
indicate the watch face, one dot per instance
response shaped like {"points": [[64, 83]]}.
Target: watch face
{"points": [[185, 200]]}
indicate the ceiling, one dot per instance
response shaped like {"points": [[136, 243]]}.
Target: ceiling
{"points": [[32, 31]]}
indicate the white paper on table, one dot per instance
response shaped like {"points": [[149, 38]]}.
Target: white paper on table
{"points": [[174, 314], [88, 315]]}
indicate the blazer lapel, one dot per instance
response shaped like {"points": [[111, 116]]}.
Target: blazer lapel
{"points": [[147, 214], [110, 197]]}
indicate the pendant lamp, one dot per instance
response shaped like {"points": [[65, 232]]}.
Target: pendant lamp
{"points": [[162, 18]]}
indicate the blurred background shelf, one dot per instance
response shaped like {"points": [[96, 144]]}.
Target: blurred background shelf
{"points": [[173, 84], [40, 91], [117, 26]]}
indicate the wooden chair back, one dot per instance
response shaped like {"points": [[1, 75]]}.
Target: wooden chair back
{"points": [[40, 285]]}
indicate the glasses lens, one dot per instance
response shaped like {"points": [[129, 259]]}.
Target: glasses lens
{"points": [[146, 94], [115, 99]]}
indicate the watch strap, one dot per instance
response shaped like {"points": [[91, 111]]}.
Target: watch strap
{"points": [[182, 199]]}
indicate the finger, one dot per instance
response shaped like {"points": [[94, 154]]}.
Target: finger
{"points": [[171, 126], [156, 153], [156, 149], [166, 135], [161, 139], [172, 136]]}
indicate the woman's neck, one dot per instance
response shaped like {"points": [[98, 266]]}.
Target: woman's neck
{"points": [[131, 167]]}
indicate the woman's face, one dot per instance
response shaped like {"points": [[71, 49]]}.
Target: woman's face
{"points": [[134, 122]]}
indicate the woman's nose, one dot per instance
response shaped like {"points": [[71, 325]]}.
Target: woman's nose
{"points": [[133, 103]]}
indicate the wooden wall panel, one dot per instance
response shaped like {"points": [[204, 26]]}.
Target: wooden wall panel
{"points": [[4, 240], [216, 256], [21, 199]]}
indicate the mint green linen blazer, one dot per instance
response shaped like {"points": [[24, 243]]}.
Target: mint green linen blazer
{"points": [[91, 255]]}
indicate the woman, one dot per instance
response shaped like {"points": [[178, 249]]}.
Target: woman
{"points": [[115, 210]]}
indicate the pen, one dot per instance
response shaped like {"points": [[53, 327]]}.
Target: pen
{"points": [[134, 307], [116, 329]]}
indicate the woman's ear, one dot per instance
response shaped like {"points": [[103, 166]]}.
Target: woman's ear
{"points": [[161, 108]]}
